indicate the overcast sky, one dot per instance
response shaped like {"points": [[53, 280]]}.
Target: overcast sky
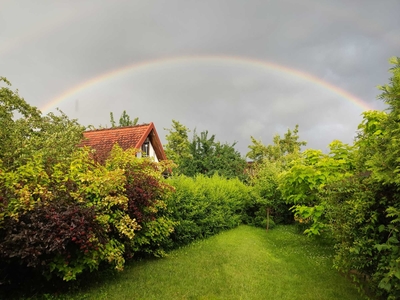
{"points": [[237, 68]]}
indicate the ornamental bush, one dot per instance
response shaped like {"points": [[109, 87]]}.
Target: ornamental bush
{"points": [[146, 191], [77, 214], [57, 238]]}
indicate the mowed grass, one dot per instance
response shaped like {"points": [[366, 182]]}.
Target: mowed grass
{"points": [[243, 263]]}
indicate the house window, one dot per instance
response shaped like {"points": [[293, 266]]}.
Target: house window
{"points": [[146, 148]]}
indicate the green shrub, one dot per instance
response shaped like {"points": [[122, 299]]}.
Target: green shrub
{"points": [[203, 206], [267, 196], [364, 209]]}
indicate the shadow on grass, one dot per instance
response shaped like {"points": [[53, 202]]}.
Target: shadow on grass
{"points": [[26, 283]]}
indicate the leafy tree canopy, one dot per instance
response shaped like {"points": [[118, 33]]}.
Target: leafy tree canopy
{"points": [[124, 120], [177, 147], [202, 154], [379, 133], [24, 131], [281, 147], [364, 209]]}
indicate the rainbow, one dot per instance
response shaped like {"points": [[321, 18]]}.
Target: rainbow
{"points": [[140, 66]]}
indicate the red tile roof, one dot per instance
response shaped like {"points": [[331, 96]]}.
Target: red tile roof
{"points": [[102, 140]]}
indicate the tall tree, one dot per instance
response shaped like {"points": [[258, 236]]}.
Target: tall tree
{"points": [[24, 131], [203, 154], [270, 163], [177, 147], [287, 146], [124, 120], [364, 209]]}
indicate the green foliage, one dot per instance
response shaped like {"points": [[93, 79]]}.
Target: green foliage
{"points": [[356, 218], [43, 199], [364, 208], [391, 92], [209, 157], [354, 194], [203, 154], [25, 132], [269, 201], [146, 192], [11, 130], [124, 120], [203, 206], [281, 148], [270, 162], [177, 147], [61, 213], [303, 183], [382, 132], [388, 269], [372, 138]]}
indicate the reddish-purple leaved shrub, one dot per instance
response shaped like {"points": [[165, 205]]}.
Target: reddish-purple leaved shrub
{"points": [[57, 229]]}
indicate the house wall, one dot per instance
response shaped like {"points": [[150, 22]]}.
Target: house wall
{"points": [[152, 153]]}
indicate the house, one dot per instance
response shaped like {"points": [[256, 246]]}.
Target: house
{"points": [[142, 137]]}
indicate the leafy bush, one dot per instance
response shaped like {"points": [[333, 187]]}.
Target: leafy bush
{"points": [[355, 217], [303, 183], [269, 163], [265, 182], [204, 206], [365, 208], [354, 193], [146, 190], [78, 214], [57, 238]]}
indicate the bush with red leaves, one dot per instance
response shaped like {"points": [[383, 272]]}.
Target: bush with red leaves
{"points": [[146, 193], [142, 190], [49, 231]]}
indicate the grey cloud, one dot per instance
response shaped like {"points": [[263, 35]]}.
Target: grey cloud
{"points": [[47, 48]]}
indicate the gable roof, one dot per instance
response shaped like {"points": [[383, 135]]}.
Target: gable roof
{"points": [[103, 140]]}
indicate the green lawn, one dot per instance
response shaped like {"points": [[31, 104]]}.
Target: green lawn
{"points": [[243, 263]]}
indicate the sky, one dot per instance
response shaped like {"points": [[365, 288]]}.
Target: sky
{"points": [[237, 68]]}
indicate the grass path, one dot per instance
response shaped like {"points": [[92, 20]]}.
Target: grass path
{"points": [[243, 263]]}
